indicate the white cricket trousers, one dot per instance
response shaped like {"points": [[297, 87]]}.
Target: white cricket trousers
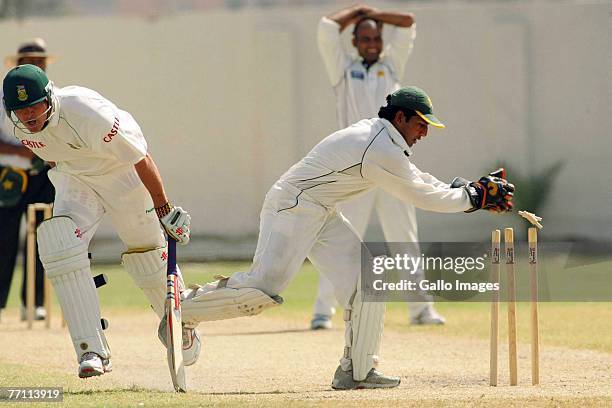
{"points": [[121, 195], [399, 224], [294, 228]]}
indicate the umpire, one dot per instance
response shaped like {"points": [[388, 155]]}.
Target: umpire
{"points": [[23, 181]]}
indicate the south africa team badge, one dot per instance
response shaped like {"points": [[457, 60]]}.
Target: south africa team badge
{"points": [[22, 95]]}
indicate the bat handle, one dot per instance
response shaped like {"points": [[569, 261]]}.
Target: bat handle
{"points": [[171, 256]]}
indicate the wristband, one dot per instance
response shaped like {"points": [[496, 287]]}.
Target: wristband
{"points": [[163, 210]]}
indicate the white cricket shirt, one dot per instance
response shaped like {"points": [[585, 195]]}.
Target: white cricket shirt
{"points": [[87, 135], [369, 154], [360, 92]]}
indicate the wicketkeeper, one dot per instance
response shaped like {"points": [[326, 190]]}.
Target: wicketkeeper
{"points": [[299, 221], [101, 167]]}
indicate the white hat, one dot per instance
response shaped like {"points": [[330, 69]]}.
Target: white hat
{"points": [[36, 47]]}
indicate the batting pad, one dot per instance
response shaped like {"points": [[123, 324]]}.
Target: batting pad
{"points": [[64, 256], [211, 303], [148, 269], [364, 326]]}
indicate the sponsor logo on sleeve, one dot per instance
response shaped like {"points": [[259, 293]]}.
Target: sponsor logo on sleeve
{"points": [[109, 137]]}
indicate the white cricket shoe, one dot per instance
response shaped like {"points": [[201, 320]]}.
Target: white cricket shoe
{"points": [[192, 344], [92, 365], [429, 315], [320, 322]]}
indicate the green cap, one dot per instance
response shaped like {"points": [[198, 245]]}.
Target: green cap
{"points": [[415, 99], [23, 86]]}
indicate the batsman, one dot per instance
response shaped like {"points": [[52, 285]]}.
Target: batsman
{"points": [[101, 168], [299, 220]]}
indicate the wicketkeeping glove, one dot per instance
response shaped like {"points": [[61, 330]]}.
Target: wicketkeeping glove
{"points": [[176, 222], [491, 192]]}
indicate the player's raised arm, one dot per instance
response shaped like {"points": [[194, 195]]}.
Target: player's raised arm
{"points": [[351, 15], [396, 18]]}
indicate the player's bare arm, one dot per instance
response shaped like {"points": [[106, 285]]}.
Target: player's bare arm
{"points": [[175, 220], [395, 18], [148, 173], [6, 148], [351, 15]]}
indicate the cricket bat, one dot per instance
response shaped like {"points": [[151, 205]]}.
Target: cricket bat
{"points": [[174, 330]]}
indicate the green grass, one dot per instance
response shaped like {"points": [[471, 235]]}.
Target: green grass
{"points": [[574, 325]]}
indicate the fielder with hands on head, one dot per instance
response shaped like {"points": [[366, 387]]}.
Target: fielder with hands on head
{"points": [[102, 167], [361, 85], [299, 220]]}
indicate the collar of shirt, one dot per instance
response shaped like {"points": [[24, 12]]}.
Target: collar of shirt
{"points": [[397, 138], [368, 66]]}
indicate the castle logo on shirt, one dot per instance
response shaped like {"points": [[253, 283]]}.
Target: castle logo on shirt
{"points": [[31, 144], [112, 132], [22, 95]]}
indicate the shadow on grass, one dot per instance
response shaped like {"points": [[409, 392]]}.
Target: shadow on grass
{"points": [[133, 389], [258, 333], [139, 390]]}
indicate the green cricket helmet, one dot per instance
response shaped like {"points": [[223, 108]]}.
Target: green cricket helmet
{"points": [[24, 86]]}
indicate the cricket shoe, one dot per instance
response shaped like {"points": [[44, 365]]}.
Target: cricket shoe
{"points": [[428, 315], [320, 322], [191, 342], [92, 365], [343, 380]]}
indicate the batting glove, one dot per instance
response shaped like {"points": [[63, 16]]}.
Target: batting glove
{"points": [[176, 222]]}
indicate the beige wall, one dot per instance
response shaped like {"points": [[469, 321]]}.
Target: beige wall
{"points": [[229, 100]]}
